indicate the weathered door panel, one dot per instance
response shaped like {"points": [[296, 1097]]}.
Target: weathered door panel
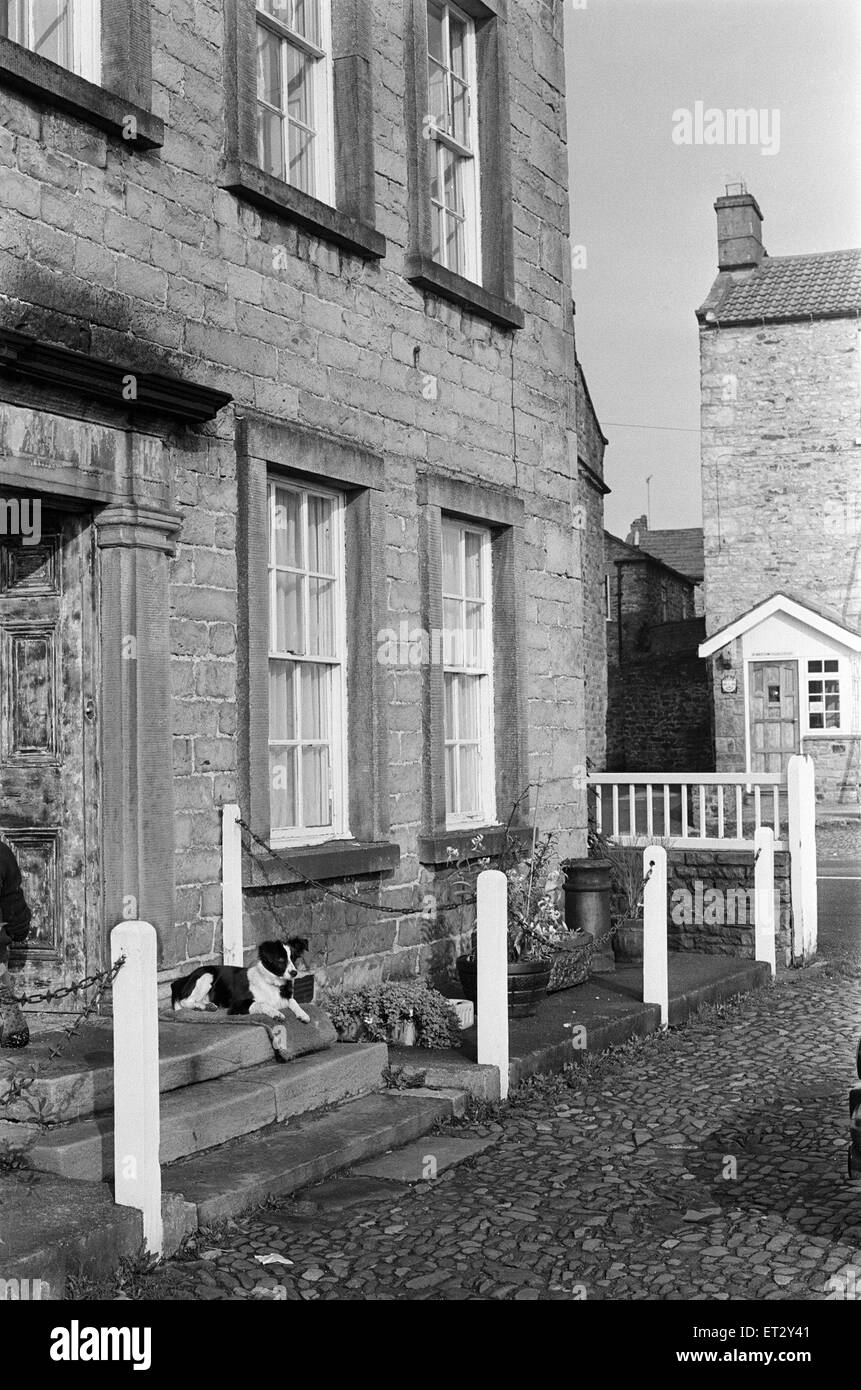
{"points": [[774, 720]]}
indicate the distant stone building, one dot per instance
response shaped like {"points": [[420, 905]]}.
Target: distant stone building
{"points": [[679, 547], [290, 369], [658, 691], [781, 482], [591, 444]]}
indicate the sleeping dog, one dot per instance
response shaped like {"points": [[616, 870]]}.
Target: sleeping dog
{"points": [[265, 988]]}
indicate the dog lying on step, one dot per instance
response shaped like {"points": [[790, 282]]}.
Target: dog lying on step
{"points": [[264, 988]]}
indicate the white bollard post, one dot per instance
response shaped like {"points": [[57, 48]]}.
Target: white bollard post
{"points": [[231, 887], [137, 1120], [492, 971], [763, 882], [801, 785], [655, 964]]}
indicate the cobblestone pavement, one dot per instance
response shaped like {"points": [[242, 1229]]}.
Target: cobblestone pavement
{"points": [[708, 1164]]}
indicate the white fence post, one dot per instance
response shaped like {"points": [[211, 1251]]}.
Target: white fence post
{"points": [[802, 850], [492, 973], [231, 886], [763, 880], [137, 1121], [655, 964]]}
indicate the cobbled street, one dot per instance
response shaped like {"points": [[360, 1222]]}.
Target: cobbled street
{"points": [[709, 1163]]}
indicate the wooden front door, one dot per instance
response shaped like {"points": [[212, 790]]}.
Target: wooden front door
{"points": [[774, 731], [48, 795]]}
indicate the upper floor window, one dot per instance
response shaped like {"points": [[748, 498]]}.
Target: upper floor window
{"points": [[823, 694], [307, 664], [294, 95], [467, 674], [67, 32], [454, 172], [608, 611]]}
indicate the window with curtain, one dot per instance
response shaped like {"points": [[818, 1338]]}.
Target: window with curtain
{"points": [[307, 664], [67, 32], [823, 693], [453, 128], [467, 674], [294, 95]]}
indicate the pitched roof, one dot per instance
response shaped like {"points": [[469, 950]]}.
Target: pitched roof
{"points": [[681, 549], [639, 553], [821, 619], [826, 284]]}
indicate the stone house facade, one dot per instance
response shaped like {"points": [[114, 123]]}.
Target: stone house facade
{"points": [[658, 690], [288, 370], [591, 444], [680, 547], [781, 480]]}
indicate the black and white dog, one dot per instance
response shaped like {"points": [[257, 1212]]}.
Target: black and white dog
{"points": [[264, 988]]}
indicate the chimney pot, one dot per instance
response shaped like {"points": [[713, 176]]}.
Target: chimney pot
{"points": [[739, 231]]}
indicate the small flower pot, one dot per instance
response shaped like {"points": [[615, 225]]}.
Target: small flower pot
{"points": [[628, 941]]}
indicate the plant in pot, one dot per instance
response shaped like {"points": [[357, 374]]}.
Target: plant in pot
{"points": [[627, 886], [407, 1012]]}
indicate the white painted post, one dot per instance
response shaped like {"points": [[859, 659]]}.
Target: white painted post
{"points": [[492, 958], [801, 785], [137, 1121], [763, 885], [655, 964], [231, 886]]}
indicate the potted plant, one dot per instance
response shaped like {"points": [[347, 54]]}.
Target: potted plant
{"points": [[627, 886], [406, 1012]]}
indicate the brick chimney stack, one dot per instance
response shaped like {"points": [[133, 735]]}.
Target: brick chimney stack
{"points": [[739, 229], [639, 524]]}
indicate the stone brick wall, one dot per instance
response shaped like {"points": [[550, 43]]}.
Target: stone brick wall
{"points": [[780, 476], [659, 715], [142, 259], [590, 446]]}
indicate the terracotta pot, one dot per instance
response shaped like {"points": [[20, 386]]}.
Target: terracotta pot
{"points": [[628, 941]]}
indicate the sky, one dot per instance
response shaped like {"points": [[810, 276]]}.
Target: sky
{"points": [[642, 205]]}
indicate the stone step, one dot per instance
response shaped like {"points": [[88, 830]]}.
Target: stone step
{"points": [[285, 1158], [210, 1113]]}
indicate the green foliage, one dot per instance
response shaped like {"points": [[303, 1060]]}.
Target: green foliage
{"points": [[378, 1008]]}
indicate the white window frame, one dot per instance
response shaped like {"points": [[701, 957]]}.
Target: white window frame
{"points": [[607, 599], [322, 88], [85, 35], [281, 836], [469, 155], [827, 730], [486, 813]]}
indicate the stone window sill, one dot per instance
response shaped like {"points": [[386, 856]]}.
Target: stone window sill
{"points": [[425, 273], [335, 859], [48, 82], [433, 849], [247, 181]]}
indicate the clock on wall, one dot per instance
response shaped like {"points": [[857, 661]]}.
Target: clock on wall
{"points": [[729, 683]]}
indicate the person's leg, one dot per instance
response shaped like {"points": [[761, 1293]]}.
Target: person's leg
{"points": [[13, 1025]]}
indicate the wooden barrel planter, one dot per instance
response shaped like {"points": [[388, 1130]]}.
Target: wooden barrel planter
{"points": [[527, 984]]}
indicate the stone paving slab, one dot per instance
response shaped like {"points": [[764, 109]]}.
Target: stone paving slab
{"points": [[425, 1160]]}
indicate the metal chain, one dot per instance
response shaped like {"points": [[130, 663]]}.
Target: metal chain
{"points": [[20, 1084], [47, 995]]}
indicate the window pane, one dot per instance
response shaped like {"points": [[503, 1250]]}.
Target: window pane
{"points": [[450, 783], [289, 626], [468, 706], [315, 787], [268, 67], [301, 173], [457, 44], [282, 719], [270, 147], [300, 100], [305, 19], [452, 622], [282, 787], [51, 30], [455, 244], [473, 643], [435, 31], [436, 231], [452, 173], [472, 548], [321, 617], [832, 665], [287, 522], [437, 95], [815, 721], [470, 801], [460, 111], [451, 558], [320, 550], [814, 665], [450, 725], [315, 701]]}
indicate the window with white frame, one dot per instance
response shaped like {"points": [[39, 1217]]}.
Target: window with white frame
{"points": [[467, 674], [67, 32], [307, 664], [608, 614], [453, 127], [823, 693], [295, 134]]}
